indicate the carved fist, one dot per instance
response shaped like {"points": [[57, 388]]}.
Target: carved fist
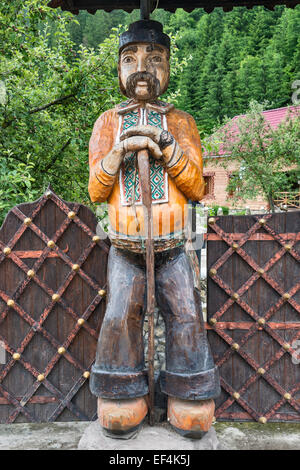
{"points": [[162, 139], [140, 142]]}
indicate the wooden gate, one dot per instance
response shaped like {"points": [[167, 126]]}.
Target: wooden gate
{"points": [[253, 313], [52, 301]]}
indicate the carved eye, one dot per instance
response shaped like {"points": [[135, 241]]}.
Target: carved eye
{"points": [[128, 60], [156, 59]]}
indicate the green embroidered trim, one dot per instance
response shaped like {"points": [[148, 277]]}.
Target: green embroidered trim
{"points": [[129, 178]]}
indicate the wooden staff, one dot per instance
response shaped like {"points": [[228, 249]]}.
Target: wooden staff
{"points": [[144, 175]]}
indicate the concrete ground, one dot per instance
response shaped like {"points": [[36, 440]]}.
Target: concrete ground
{"points": [[233, 436]]}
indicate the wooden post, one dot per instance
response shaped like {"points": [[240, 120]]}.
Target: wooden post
{"points": [[144, 174]]}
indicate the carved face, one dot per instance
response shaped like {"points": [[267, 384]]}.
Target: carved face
{"points": [[144, 71]]}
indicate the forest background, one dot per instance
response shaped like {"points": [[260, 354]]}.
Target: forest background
{"points": [[58, 73]]}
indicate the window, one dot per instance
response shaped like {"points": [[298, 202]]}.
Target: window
{"points": [[209, 180]]}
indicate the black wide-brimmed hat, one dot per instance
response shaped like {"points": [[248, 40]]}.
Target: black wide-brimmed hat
{"points": [[147, 31]]}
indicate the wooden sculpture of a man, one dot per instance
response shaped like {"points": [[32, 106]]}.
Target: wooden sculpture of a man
{"points": [[118, 378]]}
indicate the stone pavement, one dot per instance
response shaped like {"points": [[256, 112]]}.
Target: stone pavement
{"points": [[233, 436], [159, 437]]}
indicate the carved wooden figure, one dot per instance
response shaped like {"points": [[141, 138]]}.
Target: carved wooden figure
{"points": [[171, 138]]}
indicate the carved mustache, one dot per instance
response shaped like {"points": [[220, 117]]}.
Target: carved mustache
{"points": [[152, 81]]}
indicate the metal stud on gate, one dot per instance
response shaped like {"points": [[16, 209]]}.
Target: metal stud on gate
{"points": [[55, 297], [71, 215], [262, 420]]}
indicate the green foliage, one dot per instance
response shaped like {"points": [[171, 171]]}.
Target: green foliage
{"points": [[238, 56], [56, 77], [261, 152], [213, 211], [16, 184], [54, 94]]}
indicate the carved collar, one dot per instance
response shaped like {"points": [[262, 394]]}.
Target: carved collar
{"points": [[157, 106]]}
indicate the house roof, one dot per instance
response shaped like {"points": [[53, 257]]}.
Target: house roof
{"points": [[273, 116], [171, 5]]}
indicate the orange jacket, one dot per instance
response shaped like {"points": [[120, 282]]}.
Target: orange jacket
{"points": [[185, 179]]}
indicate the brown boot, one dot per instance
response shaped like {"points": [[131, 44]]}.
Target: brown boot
{"points": [[122, 418], [191, 418]]}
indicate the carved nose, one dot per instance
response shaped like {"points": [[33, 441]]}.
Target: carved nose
{"points": [[141, 66]]}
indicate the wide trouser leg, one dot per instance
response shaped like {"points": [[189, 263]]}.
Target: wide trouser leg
{"points": [[190, 371], [119, 372]]}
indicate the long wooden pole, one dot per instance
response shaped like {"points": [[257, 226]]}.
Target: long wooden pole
{"points": [[144, 175]]}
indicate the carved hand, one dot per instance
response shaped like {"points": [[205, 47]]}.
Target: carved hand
{"points": [[163, 139], [113, 159]]}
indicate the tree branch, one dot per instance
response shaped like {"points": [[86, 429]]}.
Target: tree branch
{"points": [[55, 157], [58, 101], [6, 124]]}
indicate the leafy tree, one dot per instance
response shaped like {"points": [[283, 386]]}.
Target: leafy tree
{"points": [[262, 152], [54, 94]]}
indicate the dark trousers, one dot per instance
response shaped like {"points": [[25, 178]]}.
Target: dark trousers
{"points": [[119, 370]]}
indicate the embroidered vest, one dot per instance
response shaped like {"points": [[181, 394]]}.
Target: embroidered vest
{"points": [[129, 175]]}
